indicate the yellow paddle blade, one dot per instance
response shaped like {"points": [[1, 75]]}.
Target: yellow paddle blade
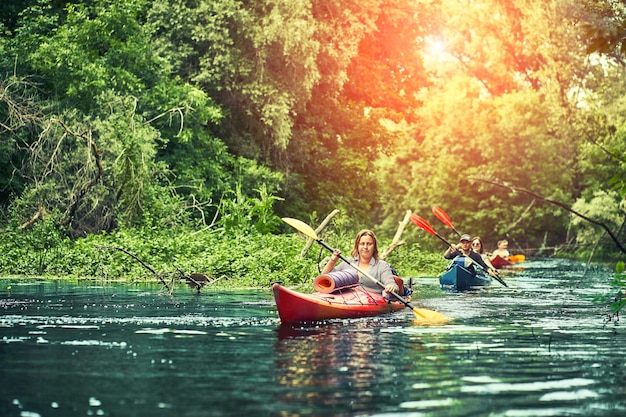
{"points": [[517, 258], [424, 317], [301, 227]]}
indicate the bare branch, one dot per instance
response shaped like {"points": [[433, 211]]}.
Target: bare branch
{"points": [[511, 226], [321, 227], [396, 242], [21, 108], [156, 274], [556, 203], [33, 219], [177, 110], [78, 198]]}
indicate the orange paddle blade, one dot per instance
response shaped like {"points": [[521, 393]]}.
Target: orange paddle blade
{"points": [[423, 224], [424, 317], [443, 216]]}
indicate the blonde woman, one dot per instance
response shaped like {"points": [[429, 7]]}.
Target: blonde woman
{"points": [[502, 251]]}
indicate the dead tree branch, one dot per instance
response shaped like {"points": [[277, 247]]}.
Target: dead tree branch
{"points": [[21, 107], [170, 112], [396, 238], [33, 219], [512, 225], [556, 203], [78, 198], [132, 255], [321, 227]]}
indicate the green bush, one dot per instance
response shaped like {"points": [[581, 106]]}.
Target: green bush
{"points": [[615, 298], [241, 258]]}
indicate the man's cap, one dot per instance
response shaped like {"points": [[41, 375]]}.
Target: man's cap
{"points": [[465, 237]]}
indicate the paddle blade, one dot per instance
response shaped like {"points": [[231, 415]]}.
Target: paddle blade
{"points": [[517, 258], [443, 216], [423, 224], [424, 317], [302, 227]]}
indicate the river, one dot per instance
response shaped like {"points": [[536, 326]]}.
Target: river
{"points": [[541, 347]]}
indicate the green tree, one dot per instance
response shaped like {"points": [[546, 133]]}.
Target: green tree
{"points": [[370, 71], [498, 106], [257, 60], [154, 112], [122, 123]]}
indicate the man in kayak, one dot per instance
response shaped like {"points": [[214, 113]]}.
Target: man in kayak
{"points": [[464, 249], [365, 256]]}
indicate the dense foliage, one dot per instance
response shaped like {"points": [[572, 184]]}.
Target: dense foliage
{"points": [[160, 119], [239, 259]]}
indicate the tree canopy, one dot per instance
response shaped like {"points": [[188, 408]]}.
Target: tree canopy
{"points": [[167, 113]]}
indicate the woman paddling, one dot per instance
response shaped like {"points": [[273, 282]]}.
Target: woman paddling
{"points": [[365, 256]]}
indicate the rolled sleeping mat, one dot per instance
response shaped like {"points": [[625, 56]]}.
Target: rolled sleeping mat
{"points": [[336, 280]]}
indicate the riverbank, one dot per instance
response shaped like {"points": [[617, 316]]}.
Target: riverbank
{"points": [[234, 260]]}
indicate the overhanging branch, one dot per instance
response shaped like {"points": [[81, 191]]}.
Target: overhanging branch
{"points": [[556, 203]]}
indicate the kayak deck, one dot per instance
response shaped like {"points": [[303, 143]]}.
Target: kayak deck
{"points": [[294, 306], [458, 278]]}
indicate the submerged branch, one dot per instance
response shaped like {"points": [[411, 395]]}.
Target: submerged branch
{"points": [[156, 274]]}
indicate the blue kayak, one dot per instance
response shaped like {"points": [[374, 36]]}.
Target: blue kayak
{"points": [[459, 278]]}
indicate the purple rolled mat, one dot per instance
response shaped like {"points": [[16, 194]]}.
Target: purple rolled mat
{"points": [[336, 280]]}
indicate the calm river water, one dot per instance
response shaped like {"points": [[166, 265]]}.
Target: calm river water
{"points": [[541, 347]]}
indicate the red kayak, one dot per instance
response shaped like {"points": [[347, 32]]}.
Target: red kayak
{"points": [[500, 262], [348, 303]]}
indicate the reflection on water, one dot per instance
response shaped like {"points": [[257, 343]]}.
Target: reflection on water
{"points": [[340, 365], [538, 348]]}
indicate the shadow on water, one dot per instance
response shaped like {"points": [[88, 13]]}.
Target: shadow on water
{"points": [[541, 347]]}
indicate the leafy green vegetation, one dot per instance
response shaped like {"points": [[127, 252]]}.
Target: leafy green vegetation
{"points": [[616, 297], [182, 130], [240, 258]]}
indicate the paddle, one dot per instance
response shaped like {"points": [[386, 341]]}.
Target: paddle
{"points": [[429, 316], [423, 224], [445, 219]]}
